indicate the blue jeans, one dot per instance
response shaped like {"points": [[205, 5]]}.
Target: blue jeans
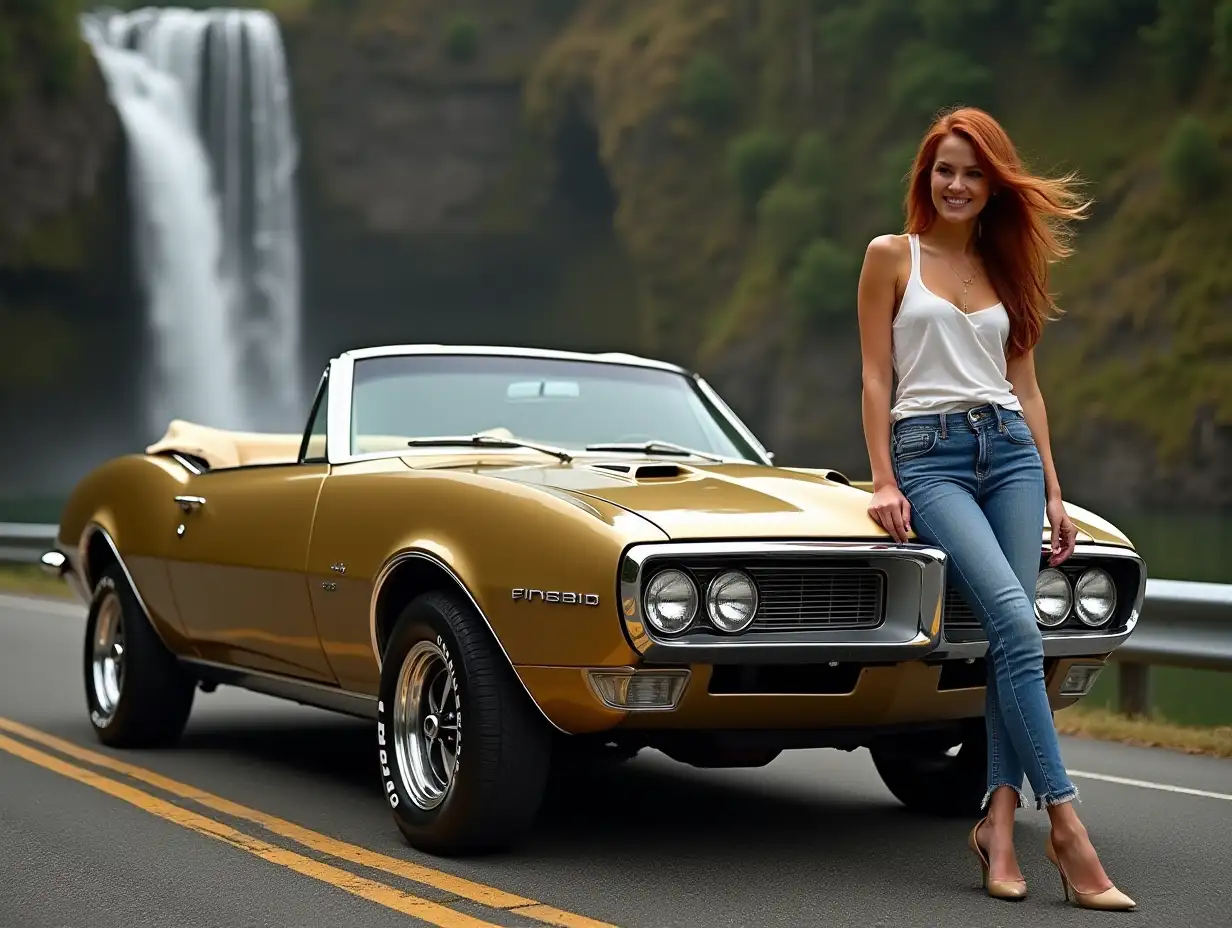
{"points": [[976, 488]]}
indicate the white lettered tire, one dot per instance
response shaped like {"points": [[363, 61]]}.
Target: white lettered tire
{"points": [[137, 695], [463, 753]]}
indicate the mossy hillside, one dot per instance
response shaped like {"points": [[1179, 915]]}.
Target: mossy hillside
{"points": [[57, 134], [756, 147], [41, 50]]}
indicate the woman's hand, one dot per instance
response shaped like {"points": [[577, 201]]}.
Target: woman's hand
{"points": [[1064, 533], [890, 509]]}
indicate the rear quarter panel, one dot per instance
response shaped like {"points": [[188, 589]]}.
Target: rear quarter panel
{"points": [[131, 499]]}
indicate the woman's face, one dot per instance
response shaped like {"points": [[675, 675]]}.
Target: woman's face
{"points": [[960, 187]]}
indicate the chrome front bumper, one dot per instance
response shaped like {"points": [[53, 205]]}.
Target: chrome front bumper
{"points": [[60, 564], [912, 628]]}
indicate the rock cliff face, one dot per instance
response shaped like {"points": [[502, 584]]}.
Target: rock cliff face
{"points": [[576, 181], [53, 153], [696, 179], [627, 122], [67, 304]]}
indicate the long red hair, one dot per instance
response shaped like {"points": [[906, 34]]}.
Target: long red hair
{"points": [[1021, 229]]}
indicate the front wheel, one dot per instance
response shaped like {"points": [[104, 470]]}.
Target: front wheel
{"points": [[137, 694], [937, 775], [464, 754]]}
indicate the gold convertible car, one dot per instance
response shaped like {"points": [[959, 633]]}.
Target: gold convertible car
{"points": [[507, 556]]}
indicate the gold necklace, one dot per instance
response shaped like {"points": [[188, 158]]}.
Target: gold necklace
{"points": [[966, 283]]}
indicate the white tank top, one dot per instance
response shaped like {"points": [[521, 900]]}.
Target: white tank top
{"points": [[946, 360]]}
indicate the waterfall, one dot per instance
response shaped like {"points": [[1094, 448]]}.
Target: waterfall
{"points": [[204, 97]]}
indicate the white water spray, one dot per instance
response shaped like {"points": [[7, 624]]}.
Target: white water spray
{"points": [[204, 97]]}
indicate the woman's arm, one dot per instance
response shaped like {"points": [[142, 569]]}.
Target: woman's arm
{"points": [[875, 301], [1020, 372]]}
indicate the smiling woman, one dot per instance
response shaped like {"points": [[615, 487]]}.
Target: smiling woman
{"points": [[950, 314]]}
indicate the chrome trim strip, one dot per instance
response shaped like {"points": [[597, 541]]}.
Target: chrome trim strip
{"points": [[730, 415], [911, 629], [383, 574], [187, 464], [89, 583], [307, 692], [1070, 644], [607, 357]]}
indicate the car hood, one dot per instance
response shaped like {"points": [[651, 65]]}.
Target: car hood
{"points": [[690, 500], [694, 501]]}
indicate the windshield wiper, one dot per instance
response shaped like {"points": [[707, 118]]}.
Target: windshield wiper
{"points": [[492, 441], [655, 447]]}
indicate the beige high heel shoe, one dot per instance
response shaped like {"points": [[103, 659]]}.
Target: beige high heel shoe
{"points": [[1111, 899], [998, 889]]}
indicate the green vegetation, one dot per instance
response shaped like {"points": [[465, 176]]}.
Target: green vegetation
{"points": [[754, 163], [708, 90], [1193, 160], [756, 148], [462, 38], [1178, 695], [31, 581], [41, 50], [1083, 721]]}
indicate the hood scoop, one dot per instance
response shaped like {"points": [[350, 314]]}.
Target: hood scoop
{"points": [[656, 471]]}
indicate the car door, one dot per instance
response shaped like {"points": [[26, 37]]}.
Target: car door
{"points": [[237, 561], [237, 567]]}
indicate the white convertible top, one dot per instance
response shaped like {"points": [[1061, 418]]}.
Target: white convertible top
{"points": [[221, 448]]}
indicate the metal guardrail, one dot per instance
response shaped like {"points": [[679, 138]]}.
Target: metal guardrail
{"points": [[1185, 623], [25, 542]]}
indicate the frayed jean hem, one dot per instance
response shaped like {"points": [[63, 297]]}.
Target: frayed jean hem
{"points": [[1055, 799], [1022, 800]]}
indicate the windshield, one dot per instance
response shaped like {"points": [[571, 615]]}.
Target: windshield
{"points": [[567, 403]]}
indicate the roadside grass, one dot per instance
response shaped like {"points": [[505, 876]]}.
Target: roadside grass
{"points": [[31, 581], [1157, 732]]}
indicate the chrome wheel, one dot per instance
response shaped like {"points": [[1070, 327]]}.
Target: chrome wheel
{"points": [[108, 656], [426, 721]]}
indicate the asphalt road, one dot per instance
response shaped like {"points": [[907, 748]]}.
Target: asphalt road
{"points": [[813, 839]]}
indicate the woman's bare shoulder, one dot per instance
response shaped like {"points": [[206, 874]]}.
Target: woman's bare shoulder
{"points": [[888, 248], [888, 256]]}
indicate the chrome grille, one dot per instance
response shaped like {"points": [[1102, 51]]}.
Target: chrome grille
{"points": [[795, 597], [957, 613], [957, 619]]}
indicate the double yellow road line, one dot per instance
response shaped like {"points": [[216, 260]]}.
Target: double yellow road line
{"points": [[391, 897]]}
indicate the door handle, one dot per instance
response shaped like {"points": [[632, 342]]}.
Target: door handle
{"points": [[189, 503]]}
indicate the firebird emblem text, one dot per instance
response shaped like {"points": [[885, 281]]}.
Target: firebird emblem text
{"points": [[555, 596]]}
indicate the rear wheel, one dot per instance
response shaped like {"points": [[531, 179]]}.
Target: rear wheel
{"points": [[136, 692], [464, 754], [936, 774]]}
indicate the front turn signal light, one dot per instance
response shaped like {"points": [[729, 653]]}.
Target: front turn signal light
{"points": [[646, 690]]}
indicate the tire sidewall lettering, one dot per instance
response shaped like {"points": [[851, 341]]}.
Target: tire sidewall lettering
{"points": [[457, 706], [387, 755], [391, 790]]}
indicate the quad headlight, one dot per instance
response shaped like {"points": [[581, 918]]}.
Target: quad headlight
{"points": [[671, 601], [731, 601], [1094, 597], [1091, 597], [1053, 597]]}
